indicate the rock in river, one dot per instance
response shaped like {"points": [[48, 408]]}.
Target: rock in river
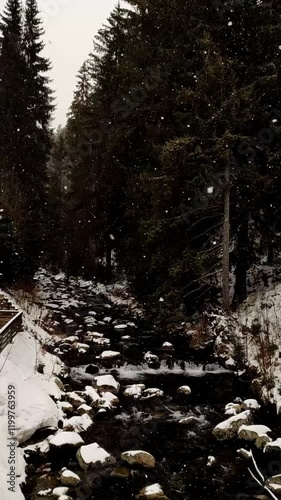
{"points": [[139, 457], [257, 433], [228, 428], [93, 456], [153, 492], [69, 478]]}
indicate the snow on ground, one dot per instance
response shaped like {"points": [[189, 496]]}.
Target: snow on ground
{"points": [[34, 408]]}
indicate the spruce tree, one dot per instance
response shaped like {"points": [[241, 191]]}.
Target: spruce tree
{"points": [[38, 101]]}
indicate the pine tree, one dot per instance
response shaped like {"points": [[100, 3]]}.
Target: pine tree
{"points": [[36, 132], [12, 106]]}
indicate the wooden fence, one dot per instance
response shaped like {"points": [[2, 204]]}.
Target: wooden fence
{"points": [[10, 322]]}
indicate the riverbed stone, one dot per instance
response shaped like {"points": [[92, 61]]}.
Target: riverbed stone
{"points": [[75, 399], [93, 456], [256, 433], [69, 478], [107, 383], [84, 409], [153, 492], [61, 490], [152, 393], [228, 429], [134, 391], [274, 446], [65, 438], [121, 472], [250, 404], [168, 347], [184, 391], [139, 457]]}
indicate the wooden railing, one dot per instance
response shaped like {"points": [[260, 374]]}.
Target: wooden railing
{"points": [[10, 322]]}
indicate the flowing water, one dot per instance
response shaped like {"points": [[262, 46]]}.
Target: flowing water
{"points": [[181, 452]]}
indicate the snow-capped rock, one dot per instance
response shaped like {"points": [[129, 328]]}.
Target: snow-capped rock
{"points": [[232, 409], [152, 393], [153, 492], [78, 424], [228, 428], [60, 491], [250, 404], [184, 391], [274, 446], [107, 383], [168, 347], [134, 391], [109, 356], [93, 456], [65, 406], [66, 438], [257, 433], [69, 478], [75, 399], [92, 395], [139, 457], [84, 409], [108, 400]]}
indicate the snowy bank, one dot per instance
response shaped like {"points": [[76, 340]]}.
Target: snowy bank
{"points": [[34, 408]]}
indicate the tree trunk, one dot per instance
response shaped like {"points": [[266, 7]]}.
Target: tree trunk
{"points": [[240, 293], [226, 244]]}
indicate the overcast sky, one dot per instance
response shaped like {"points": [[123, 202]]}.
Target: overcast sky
{"points": [[70, 27]]}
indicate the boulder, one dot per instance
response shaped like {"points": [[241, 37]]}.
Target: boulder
{"points": [[274, 446], [84, 409], [58, 492], [107, 383], [184, 391], [250, 404], [256, 433], [75, 399], [134, 391], [110, 356], [121, 472], [228, 428], [108, 400], [232, 409], [139, 457], [92, 395], [65, 406], [93, 456], [168, 347], [78, 424], [153, 492], [66, 439], [152, 393], [69, 478]]}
